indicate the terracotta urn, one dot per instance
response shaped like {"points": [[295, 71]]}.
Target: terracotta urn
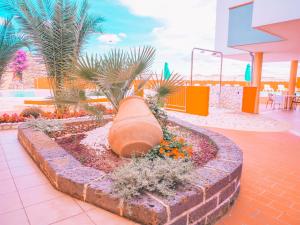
{"points": [[135, 130]]}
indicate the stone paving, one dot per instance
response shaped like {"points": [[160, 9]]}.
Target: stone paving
{"points": [[235, 120]]}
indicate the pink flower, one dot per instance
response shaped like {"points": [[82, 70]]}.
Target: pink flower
{"points": [[20, 62]]}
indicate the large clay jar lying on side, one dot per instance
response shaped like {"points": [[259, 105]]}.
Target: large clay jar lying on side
{"points": [[134, 130]]}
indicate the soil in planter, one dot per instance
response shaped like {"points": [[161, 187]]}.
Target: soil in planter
{"points": [[72, 134], [70, 137], [203, 149]]}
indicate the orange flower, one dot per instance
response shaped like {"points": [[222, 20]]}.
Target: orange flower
{"points": [[181, 140], [161, 150], [181, 155], [167, 153], [164, 142], [175, 150]]}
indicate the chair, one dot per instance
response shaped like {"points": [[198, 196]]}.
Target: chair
{"points": [[270, 100], [278, 100], [295, 102], [267, 88], [281, 87]]}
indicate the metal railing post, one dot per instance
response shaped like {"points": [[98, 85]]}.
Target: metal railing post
{"points": [[221, 67]]}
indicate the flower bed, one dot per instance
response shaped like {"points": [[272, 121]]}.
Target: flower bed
{"points": [[213, 191], [12, 121], [101, 157]]}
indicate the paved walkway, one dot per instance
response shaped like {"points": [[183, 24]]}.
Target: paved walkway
{"points": [[270, 189], [26, 196], [270, 183]]}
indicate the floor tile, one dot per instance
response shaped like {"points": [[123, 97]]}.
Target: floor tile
{"points": [[31, 180], [7, 186], [5, 174], [10, 202], [37, 194], [84, 205], [81, 219], [17, 217], [20, 162], [101, 217], [52, 211], [12, 147], [3, 166], [15, 155], [23, 171]]}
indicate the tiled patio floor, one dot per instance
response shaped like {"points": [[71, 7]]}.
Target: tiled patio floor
{"points": [[270, 189], [270, 184], [26, 196]]}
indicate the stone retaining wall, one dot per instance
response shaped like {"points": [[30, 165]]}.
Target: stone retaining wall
{"points": [[215, 188]]}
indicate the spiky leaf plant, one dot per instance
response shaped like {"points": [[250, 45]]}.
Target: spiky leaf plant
{"points": [[10, 42], [165, 87], [115, 72], [57, 29]]}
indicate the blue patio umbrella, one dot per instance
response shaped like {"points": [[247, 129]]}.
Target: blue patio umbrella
{"points": [[248, 73], [167, 73]]}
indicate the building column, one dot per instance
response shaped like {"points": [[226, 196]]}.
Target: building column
{"points": [[292, 82], [256, 79]]}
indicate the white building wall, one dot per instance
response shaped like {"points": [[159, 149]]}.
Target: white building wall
{"points": [[275, 11], [221, 36]]}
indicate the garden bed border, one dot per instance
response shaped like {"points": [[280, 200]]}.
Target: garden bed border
{"points": [[214, 190]]}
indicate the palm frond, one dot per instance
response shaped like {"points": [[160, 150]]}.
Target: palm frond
{"points": [[57, 29], [166, 87], [115, 71]]}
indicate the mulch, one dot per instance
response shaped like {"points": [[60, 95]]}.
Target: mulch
{"points": [[69, 138]]}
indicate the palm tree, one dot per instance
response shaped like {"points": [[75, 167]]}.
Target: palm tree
{"points": [[57, 29], [165, 87], [10, 42], [114, 73]]}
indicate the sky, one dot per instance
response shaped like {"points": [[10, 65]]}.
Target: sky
{"points": [[173, 27]]}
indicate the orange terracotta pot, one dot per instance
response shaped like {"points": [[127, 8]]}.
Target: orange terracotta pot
{"points": [[135, 130]]}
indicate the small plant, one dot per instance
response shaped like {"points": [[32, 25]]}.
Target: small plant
{"points": [[19, 64], [63, 115], [32, 112], [44, 125], [14, 118], [165, 87], [162, 176], [158, 113], [115, 72], [171, 147]]}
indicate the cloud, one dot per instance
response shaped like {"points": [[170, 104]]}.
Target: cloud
{"points": [[111, 38], [122, 35], [2, 20], [187, 24]]}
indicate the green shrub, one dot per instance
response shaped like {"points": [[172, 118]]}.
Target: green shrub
{"points": [[175, 148], [44, 125], [159, 175], [32, 112], [158, 113]]}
